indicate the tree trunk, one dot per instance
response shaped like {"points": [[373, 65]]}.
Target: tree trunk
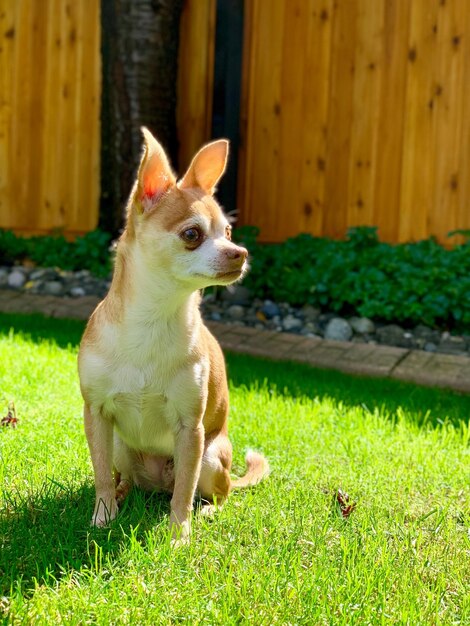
{"points": [[140, 40]]}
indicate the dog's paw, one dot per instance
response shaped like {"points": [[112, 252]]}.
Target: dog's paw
{"points": [[179, 543], [180, 533], [208, 510], [104, 513]]}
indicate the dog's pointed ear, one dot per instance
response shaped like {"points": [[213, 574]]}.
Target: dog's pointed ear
{"points": [[154, 177], [206, 167]]}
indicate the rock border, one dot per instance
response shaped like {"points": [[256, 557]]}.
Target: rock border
{"points": [[236, 305], [417, 366]]}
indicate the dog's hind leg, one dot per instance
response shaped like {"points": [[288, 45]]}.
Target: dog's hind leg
{"points": [[123, 469], [123, 488], [214, 480]]}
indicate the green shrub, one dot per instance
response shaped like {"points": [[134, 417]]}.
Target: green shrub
{"points": [[409, 283], [90, 251]]}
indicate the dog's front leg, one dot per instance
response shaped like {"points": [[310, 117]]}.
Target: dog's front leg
{"points": [[189, 446], [99, 433]]}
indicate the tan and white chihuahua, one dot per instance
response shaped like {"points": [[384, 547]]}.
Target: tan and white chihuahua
{"points": [[151, 374]]}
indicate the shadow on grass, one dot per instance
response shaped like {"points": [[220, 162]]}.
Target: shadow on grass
{"points": [[426, 405], [430, 406], [47, 533], [63, 333]]}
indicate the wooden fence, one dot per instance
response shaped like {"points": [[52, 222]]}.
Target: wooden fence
{"points": [[50, 78], [356, 112]]}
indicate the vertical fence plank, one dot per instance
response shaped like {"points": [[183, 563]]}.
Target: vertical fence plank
{"points": [[51, 120], [262, 202], [417, 187], [34, 111], [67, 103], [368, 66], [77, 190], [339, 118], [449, 111], [90, 148], [8, 12], [389, 139], [462, 219], [290, 109], [314, 116], [21, 113], [195, 77]]}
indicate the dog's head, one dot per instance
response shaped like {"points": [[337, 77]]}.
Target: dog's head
{"points": [[177, 226]]}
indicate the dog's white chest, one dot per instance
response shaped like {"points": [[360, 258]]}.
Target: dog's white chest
{"points": [[141, 380], [143, 420]]}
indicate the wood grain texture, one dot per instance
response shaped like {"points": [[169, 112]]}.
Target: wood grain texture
{"points": [[314, 113], [418, 164], [355, 112], [49, 115], [450, 110], [261, 203], [367, 74], [389, 136], [195, 77]]}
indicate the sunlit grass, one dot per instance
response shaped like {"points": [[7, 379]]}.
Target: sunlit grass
{"points": [[276, 554]]}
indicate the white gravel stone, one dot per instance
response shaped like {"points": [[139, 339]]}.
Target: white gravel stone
{"points": [[362, 325], [77, 292], [291, 323], [338, 329], [16, 279], [53, 288], [310, 312], [236, 311]]}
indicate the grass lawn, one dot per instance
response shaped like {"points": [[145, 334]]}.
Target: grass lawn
{"points": [[279, 553]]}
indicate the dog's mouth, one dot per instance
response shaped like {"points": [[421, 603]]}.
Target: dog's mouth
{"points": [[229, 275], [223, 277]]}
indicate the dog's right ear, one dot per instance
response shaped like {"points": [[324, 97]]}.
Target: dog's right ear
{"points": [[154, 177]]}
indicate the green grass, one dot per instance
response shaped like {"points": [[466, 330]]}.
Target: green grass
{"points": [[276, 554]]}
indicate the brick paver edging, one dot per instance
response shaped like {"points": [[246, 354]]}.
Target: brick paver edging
{"points": [[424, 368]]}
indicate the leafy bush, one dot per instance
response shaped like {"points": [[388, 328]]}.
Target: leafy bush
{"points": [[409, 283], [90, 251]]}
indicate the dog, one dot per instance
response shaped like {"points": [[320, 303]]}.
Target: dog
{"points": [[152, 376]]}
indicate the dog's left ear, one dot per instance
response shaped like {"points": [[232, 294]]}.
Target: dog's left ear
{"points": [[206, 167], [154, 177]]}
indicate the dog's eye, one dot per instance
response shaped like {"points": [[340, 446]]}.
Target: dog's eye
{"points": [[192, 236], [228, 233]]}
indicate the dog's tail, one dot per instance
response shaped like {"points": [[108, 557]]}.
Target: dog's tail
{"points": [[257, 467]]}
